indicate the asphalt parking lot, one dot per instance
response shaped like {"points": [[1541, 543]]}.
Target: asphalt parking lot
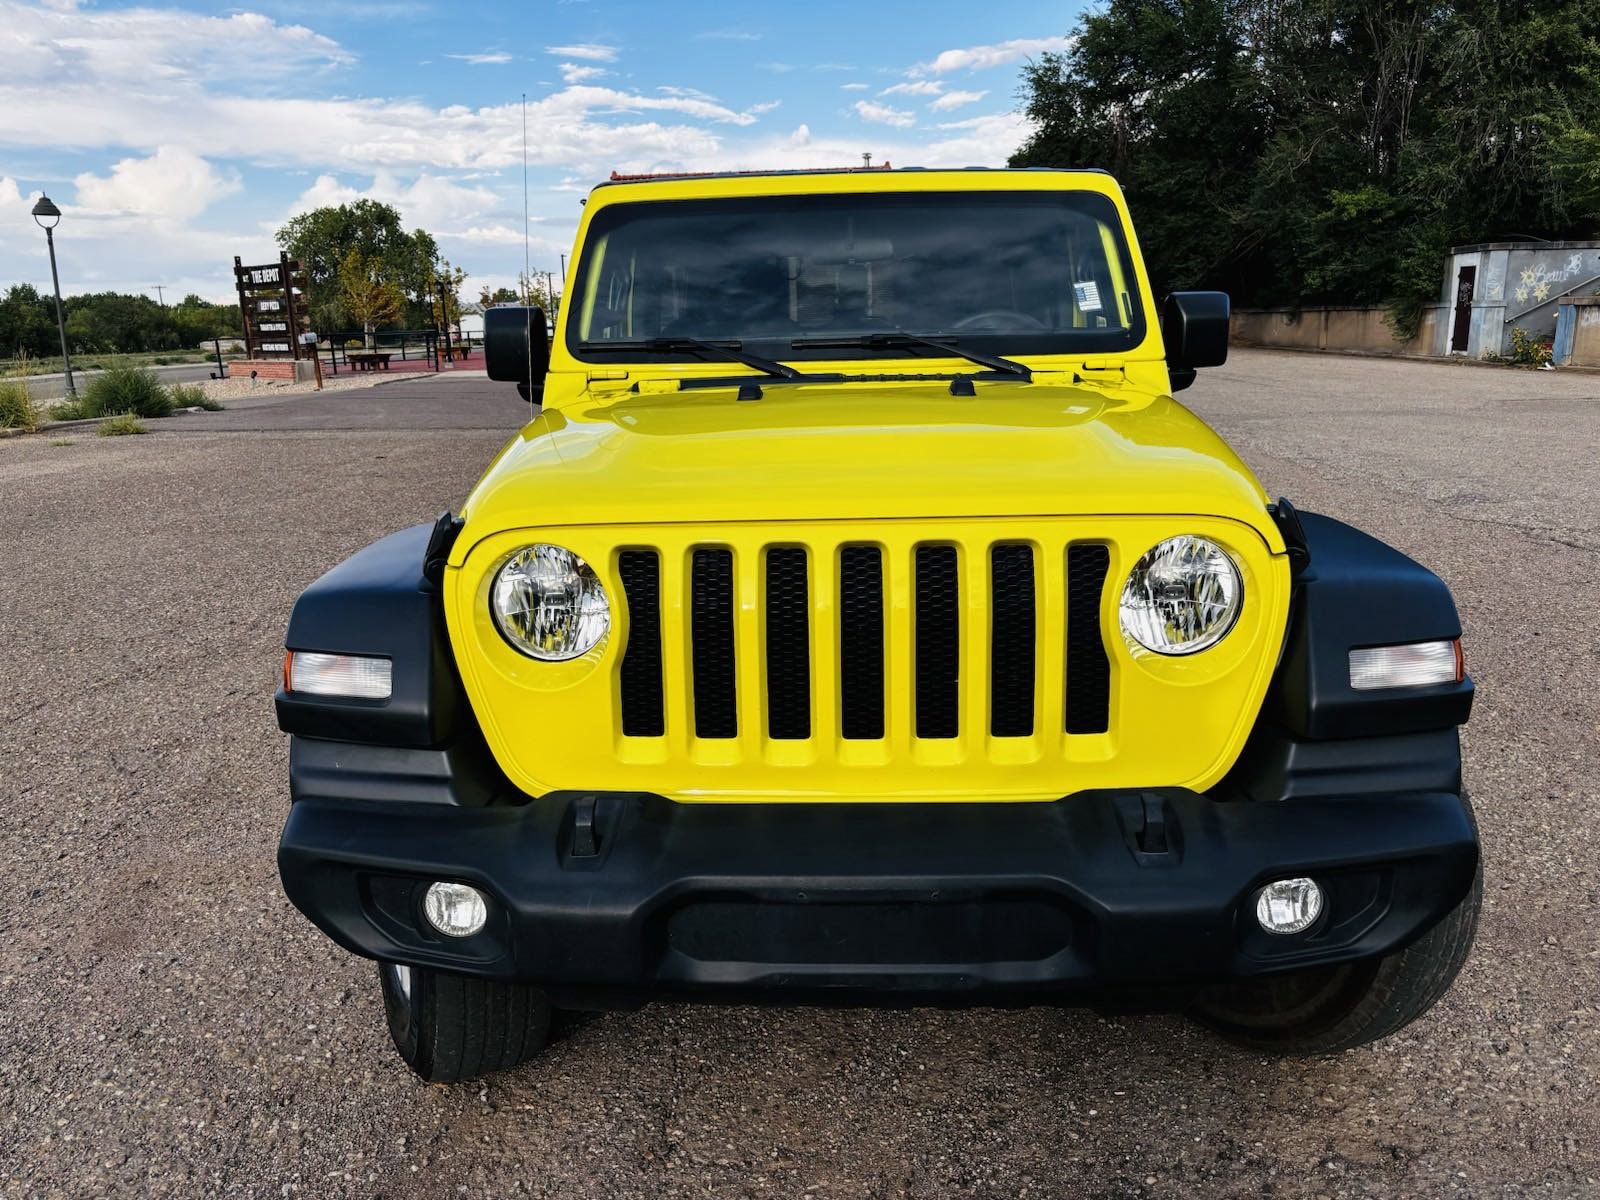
{"points": [[170, 1026]]}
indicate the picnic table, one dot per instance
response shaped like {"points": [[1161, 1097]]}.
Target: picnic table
{"points": [[369, 360]]}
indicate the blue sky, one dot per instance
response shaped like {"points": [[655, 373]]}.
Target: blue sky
{"points": [[176, 136]]}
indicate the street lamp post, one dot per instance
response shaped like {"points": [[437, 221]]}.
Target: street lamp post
{"points": [[46, 211]]}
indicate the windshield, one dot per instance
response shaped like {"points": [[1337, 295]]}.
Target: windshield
{"points": [[1004, 272]]}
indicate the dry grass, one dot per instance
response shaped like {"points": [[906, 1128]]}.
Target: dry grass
{"points": [[121, 425], [17, 407]]}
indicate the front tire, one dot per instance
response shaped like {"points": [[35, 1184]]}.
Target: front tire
{"points": [[1330, 1009], [453, 1027]]}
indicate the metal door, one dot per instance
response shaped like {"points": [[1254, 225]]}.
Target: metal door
{"points": [[1462, 332]]}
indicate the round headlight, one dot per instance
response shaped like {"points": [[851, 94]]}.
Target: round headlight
{"points": [[1182, 596], [548, 603]]}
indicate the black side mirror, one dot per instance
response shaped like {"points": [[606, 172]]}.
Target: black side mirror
{"points": [[1194, 326], [516, 347]]}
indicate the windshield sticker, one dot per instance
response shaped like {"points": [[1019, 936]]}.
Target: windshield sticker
{"points": [[1088, 296]]}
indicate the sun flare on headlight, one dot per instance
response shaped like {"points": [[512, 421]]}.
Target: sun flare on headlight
{"points": [[549, 604], [1182, 596]]}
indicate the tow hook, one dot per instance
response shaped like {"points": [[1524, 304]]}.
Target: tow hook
{"points": [[1147, 827]]}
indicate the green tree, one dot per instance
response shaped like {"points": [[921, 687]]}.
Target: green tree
{"points": [[198, 321], [446, 300], [27, 323], [109, 323], [539, 290], [368, 295], [1311, 151], [322, 238], [116, 323], [500, 295]]}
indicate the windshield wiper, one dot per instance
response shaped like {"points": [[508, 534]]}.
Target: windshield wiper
{"points": [[729, 351], [902, 340]]}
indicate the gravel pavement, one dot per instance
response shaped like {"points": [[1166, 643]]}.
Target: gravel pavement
{"points": [[170, 1026]]}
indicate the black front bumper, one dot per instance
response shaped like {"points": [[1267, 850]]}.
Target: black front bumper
{"points": [[858, 902]]}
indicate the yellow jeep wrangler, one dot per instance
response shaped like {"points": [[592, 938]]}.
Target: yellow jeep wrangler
{"points": [[861, 620]]}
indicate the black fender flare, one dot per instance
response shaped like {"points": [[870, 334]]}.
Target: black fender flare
{"points": [[1353, 591]]}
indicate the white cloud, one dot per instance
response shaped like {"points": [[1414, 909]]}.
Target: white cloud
{"points": [[882, 114], [954, 100], [579, 126], [147, 47], [920, 87], [985, 141], [173, 184], [685, 92], [430, 202], [727, 35], [15, 206], [574, 73], [853, 87], [978, 58], [591, 51], [492, 57], [500, 234]]}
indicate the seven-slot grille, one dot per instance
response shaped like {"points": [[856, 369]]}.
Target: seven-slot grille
{"points": [[790, 609]]}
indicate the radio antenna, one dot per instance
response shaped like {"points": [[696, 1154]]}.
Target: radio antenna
{"points": [[527, 261]]}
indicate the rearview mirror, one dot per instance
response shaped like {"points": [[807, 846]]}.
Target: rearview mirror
{"points": [[1194, 326], [516, 347]]}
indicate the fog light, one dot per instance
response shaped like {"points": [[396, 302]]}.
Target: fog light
{"points": [[1288, 905], [455, 909]]}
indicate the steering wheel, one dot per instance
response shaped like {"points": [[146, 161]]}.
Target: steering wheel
{"points": [[1000, 319]]}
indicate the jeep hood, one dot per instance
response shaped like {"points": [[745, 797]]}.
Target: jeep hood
{"points": [[862, 451]]}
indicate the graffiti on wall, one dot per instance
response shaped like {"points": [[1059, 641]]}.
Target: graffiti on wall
{"points": [[1539, 280]]}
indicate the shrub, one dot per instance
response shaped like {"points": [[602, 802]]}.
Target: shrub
{"points": [[192, 395], [121, 425], [126, 390], [17, 409], [1529, 351]]}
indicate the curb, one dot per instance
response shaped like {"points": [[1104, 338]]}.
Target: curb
{"points": [[1448, 361], [85, 423], [51, 427]]}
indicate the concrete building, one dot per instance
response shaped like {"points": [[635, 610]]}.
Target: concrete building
{"points": [[1493, 288]]}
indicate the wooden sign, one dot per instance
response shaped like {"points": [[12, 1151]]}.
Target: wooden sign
{"points": [[272, 301]]}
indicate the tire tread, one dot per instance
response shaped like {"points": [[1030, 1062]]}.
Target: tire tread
{"points": [[458, 1027]]}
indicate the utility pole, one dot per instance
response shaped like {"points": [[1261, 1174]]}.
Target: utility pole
{"points": [[161, 299]]}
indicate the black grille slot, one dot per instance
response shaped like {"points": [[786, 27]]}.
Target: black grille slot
{"points": [[861, 642], [1011, 644], [716, 713], [640, 571], [1088, 670], [788, 644], [938, 642]]}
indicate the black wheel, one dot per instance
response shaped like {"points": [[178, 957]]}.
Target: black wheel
{"points": [[450, 1027], [1329, 1009]]}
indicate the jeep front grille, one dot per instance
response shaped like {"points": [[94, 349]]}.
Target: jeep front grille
{"points": [[640, 572], [861, 643], [947, 583]]}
